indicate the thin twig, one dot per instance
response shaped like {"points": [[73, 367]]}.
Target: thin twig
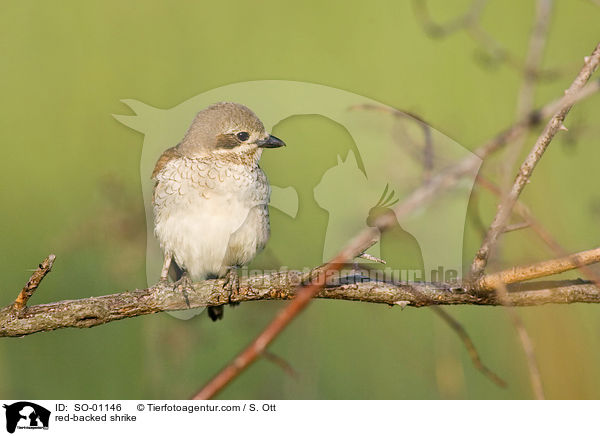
{"points": [[533, 61], [34, 281], [437, 30], [280, 362], [469, 345], [526, 342], [372, 258], [517, 226], [537, 227], [470, 22], [540, 269], [526, 170], [524, 105], [426, 153], [451, 176], [526, 214]]}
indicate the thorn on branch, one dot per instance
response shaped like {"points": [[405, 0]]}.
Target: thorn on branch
{"points": [[34, 281], [368, 256]]}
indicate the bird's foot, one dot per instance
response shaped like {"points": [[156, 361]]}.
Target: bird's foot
{"points": [[232, 285], [183, 284]]}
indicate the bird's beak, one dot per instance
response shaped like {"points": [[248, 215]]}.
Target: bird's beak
{"points": [[270, 142]]}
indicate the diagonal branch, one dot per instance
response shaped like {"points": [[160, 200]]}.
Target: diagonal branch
{"points": [[451, 176], [34, 281], [526, 170], [469, 345], [258, 346]]}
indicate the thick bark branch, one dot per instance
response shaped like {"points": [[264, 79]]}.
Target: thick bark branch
{"points": [[93, 311]]}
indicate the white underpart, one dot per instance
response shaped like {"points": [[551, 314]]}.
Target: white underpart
{"points": [[211, 214]]}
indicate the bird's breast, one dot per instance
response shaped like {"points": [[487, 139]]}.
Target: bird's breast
{"points": [[209, 214]]}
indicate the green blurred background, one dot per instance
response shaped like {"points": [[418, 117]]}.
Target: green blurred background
{"points": [[70, 184]]}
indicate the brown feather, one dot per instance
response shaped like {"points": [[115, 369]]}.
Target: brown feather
{"points": [[168, 155]]}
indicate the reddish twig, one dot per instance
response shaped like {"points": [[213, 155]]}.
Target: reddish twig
{"points": [[258, 346], [362, 241]]}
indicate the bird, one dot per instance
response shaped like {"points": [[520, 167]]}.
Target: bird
{"points": [[210, 197]]}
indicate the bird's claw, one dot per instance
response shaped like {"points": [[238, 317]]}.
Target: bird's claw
{"points": [[184, 282], [232, 285]]}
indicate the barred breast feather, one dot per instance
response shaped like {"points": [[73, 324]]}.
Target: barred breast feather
{"points": [[210, 213]]}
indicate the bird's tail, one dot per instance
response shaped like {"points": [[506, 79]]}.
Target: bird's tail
{"points": [[215, 312]]}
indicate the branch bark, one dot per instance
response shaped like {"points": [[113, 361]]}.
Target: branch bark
{"points": [[94, 311], [539, 269]]}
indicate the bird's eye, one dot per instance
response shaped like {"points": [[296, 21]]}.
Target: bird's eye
{"points": [[243, 136]]}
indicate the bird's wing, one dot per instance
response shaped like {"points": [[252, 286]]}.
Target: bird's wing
{"points": [[168, 155]]}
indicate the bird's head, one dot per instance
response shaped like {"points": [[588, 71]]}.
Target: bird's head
{"points": [[225, 130]]}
